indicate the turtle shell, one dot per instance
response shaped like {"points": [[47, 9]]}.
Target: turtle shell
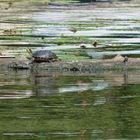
{"points": [[44, 56]]}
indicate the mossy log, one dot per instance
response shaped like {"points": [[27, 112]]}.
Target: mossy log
{"points": [[79, 66], [88, 66]]}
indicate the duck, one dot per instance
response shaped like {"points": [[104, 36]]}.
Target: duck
{"points": [[125, 60], [95, 43], [83, 46], [73, 29], [42, 37]]}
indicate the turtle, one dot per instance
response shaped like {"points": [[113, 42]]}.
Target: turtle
{"points": [[38, 57], [44, 56]]}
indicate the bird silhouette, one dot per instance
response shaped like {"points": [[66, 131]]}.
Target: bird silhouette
{"points": [[95, 43], [125, 60], [82, 46], [73, 29]]}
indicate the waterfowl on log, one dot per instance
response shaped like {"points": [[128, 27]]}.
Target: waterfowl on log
{"points": [[125, 60], [95, 43], [43, 39], [83, 46], [74, 69], [73, 29]]}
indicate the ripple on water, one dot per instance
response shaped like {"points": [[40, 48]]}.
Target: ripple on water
{"points": [[99, 101], [95, 86], [130, 97], [16, 94], [44, 134]]}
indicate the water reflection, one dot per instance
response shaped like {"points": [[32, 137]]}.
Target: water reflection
{"points": [[96, 85], [100, 105], [47, 85], [15, 85], [26, 83]]}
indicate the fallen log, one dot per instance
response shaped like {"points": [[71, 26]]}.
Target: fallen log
{"points": [[88, 66], [76, 66]]}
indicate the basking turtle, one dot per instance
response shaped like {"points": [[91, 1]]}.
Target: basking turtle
{"points": [[44, 56], [38, 56]]}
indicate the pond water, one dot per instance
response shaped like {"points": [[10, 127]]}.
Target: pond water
{"points": [[99, 105], [115, 26], [52, 105]]}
